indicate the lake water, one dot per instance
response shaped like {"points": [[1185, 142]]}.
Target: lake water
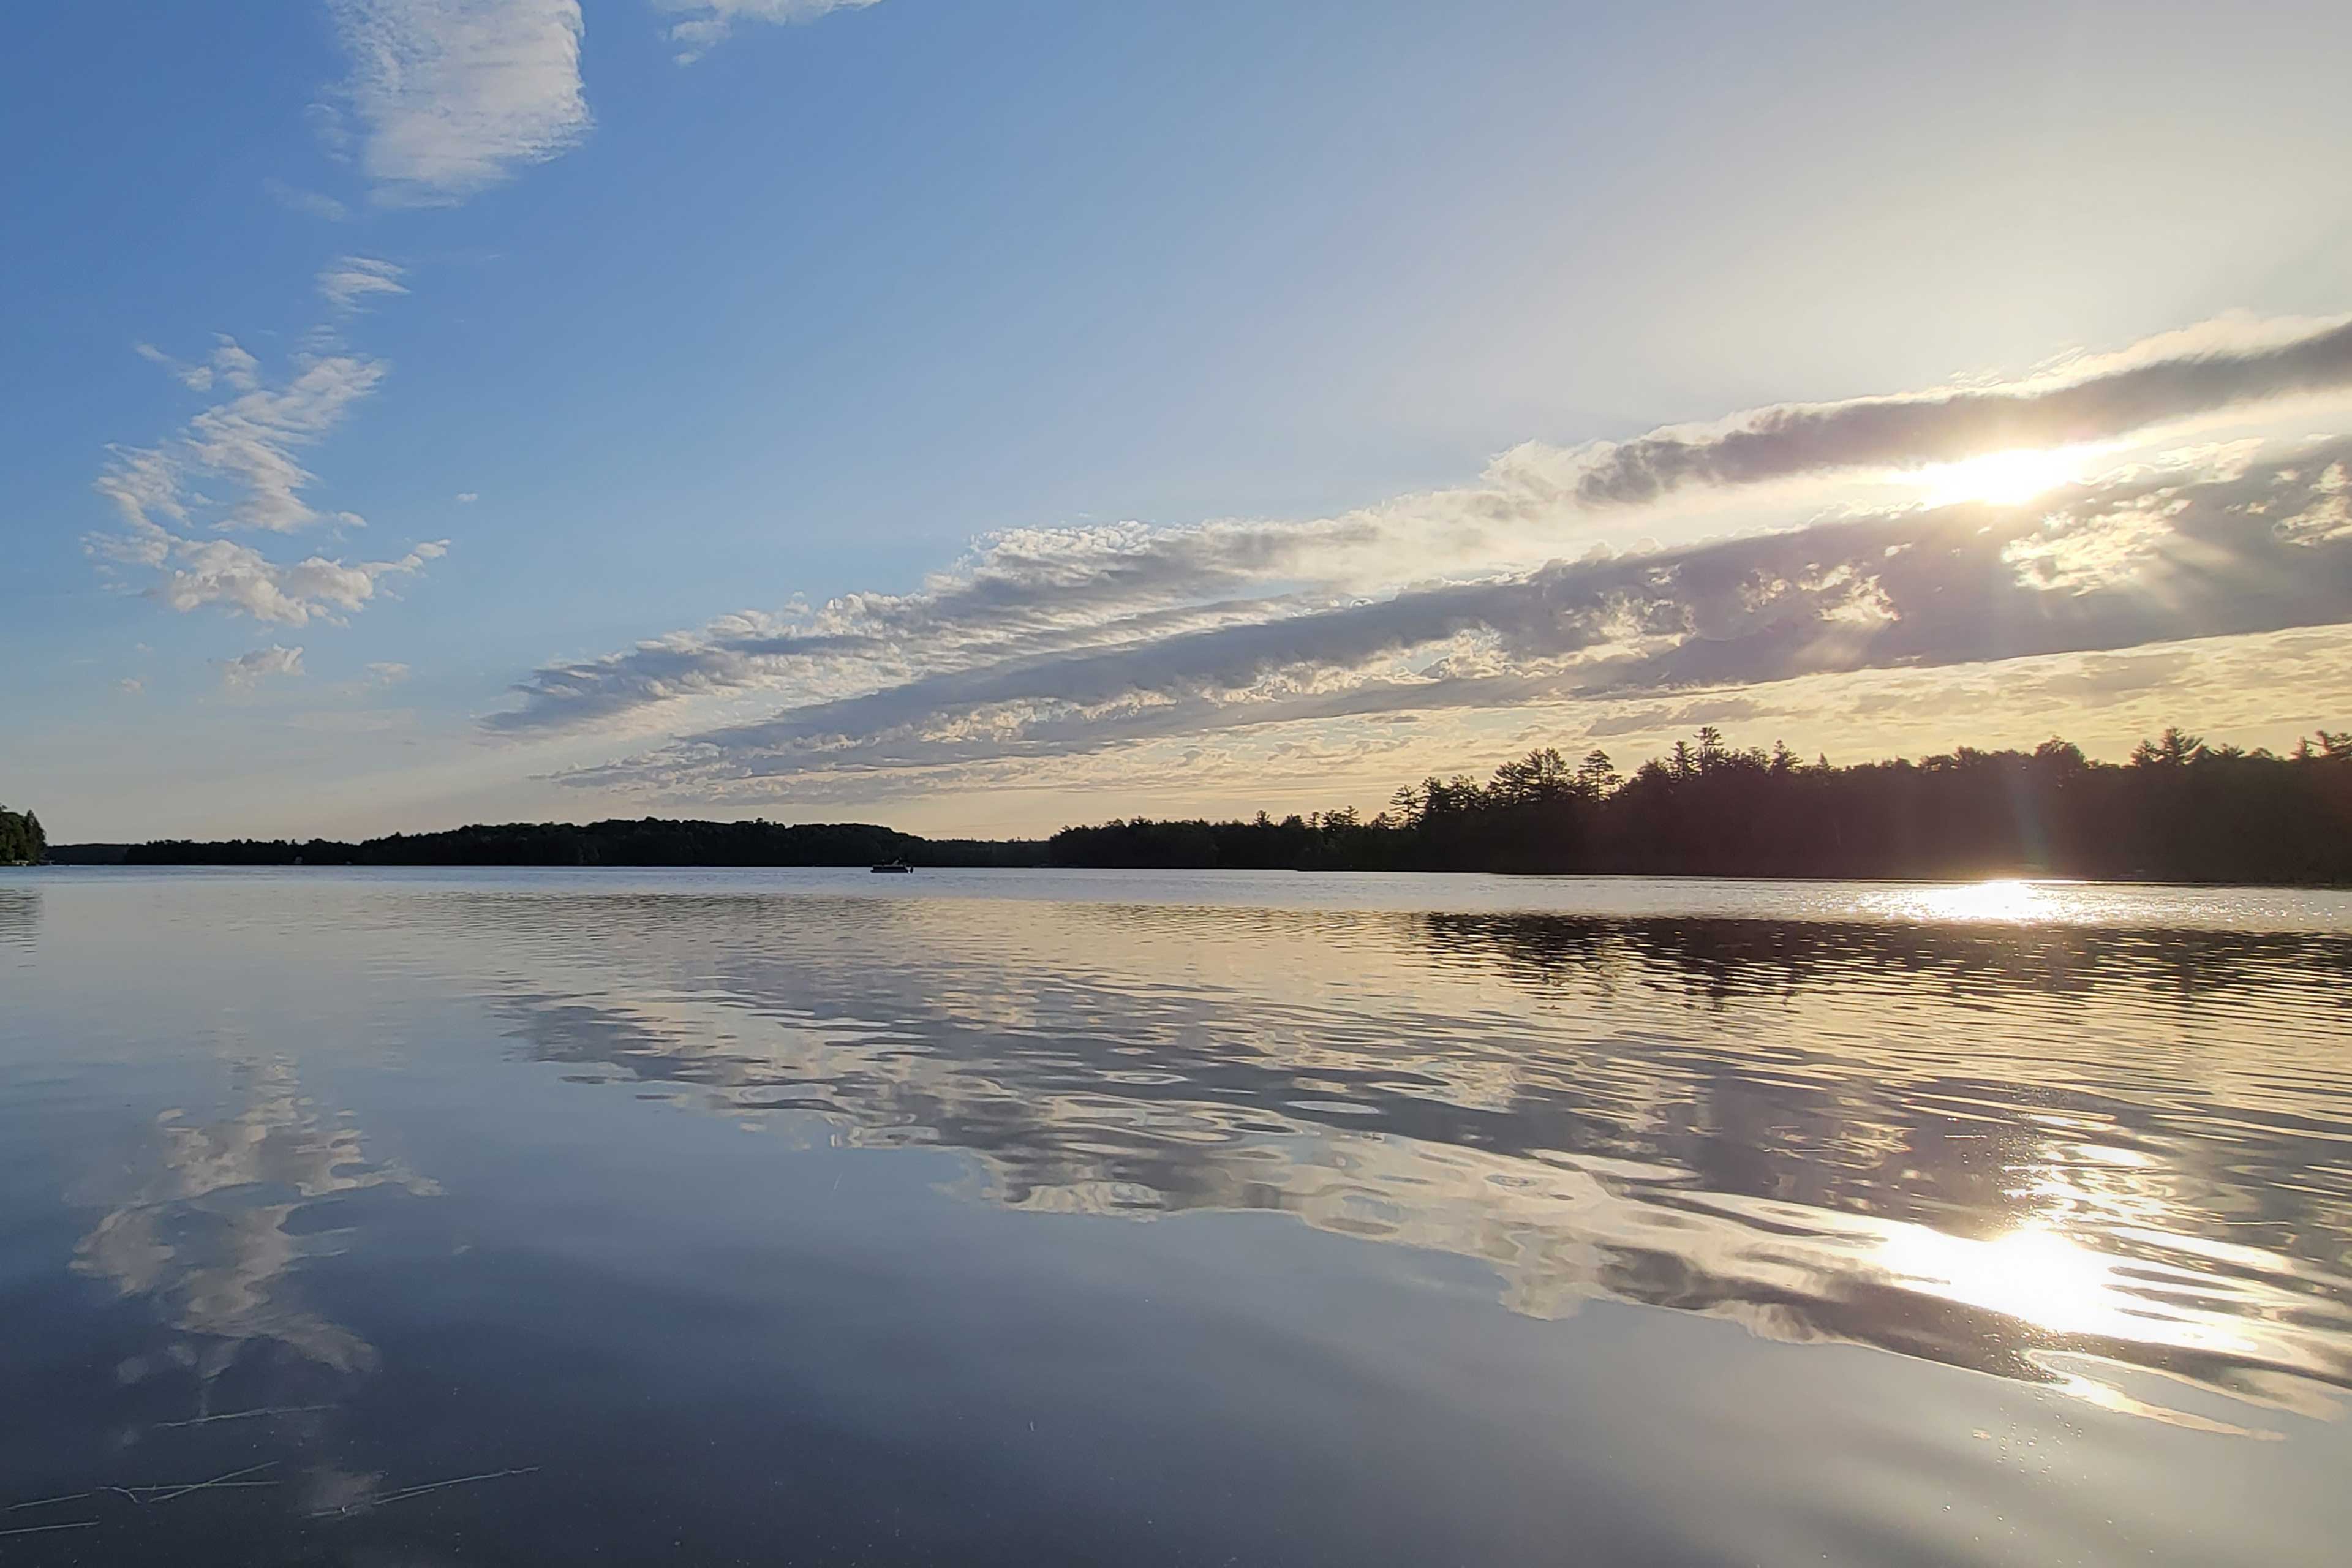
{"points": [[1132, 1218]]}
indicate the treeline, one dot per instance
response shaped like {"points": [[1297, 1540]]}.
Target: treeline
{"points": [[21, 842], [2179, 810], [645, 841]]}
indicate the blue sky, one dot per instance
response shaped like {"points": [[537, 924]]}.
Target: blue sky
{"points": [[908, 410]]}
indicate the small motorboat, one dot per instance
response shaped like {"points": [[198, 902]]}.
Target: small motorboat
{"points": [[892, 868]]}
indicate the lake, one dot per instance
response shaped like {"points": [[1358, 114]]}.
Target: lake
{"points": [[1139, 1218]]}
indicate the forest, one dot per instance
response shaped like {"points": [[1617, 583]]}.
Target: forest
{"points": [[22, 843], [2180, 809]]}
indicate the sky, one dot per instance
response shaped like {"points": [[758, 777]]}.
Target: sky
{"points": [[978, 415]]}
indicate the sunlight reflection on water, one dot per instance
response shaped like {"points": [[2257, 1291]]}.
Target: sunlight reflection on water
{"points": [[2005, 900]]}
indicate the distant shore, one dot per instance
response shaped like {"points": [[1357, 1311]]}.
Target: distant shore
{"points": [[2180, 810]]}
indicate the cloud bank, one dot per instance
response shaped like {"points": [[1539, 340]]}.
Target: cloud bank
{"points": [[1048, 642], [2147, 558], [1029, 591], [453, 96]]}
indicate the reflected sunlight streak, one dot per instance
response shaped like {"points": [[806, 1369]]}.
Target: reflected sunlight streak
{"points": [[2032, 1275], [2004, 898]]}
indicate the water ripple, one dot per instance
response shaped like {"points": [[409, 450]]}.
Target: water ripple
{"points": [[1961, 1130]]}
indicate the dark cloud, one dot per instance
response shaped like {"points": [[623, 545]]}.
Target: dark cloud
{"points": [[573, 694], [1031, 592], [1911, 431]]}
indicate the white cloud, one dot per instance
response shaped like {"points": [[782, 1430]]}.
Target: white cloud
{"points": [[248, 669], [348, 280], [234, 366], [452, 96], [233, 468], [198, 573], [249, 441], [703, 23], [312, 203], [131, 686], [386, 674], [218, 572], [467, 498]]}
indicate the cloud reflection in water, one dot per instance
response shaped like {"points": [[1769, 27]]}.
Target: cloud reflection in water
{"points": [[221, 1223], [2018, 1148]]}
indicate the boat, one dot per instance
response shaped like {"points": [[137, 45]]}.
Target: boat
{"points": [[897, 868]]}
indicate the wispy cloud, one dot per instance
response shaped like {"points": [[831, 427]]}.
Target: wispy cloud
{"points": [[452, 96], [386, 674], [703, 23], [311, 204], [229, 365], [246, 441], [349, 281], [249, 669]]}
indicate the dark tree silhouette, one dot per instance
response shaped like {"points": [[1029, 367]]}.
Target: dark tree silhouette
{"points": [[2181, 809], [21, 842], [645, 841]]}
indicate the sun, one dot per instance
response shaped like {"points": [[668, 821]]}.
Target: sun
{"points": [[2004, 479]]}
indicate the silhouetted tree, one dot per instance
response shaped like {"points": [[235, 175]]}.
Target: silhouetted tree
{"points": [[2183, 809], [21, 842], [1596, 775], [2173, 749]]}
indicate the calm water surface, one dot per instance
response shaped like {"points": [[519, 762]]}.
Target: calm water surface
{"points": [[1159, 1218]]}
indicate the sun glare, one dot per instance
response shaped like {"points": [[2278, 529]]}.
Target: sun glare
{"points": [[2003, 479], [2032, 1275], [2005, 900]]}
